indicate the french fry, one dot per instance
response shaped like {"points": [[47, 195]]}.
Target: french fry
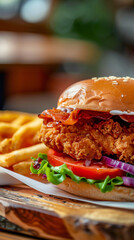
{"points": [[19, 140], [6, 145], [26, 131], [6, 129], [8, 159], [22, 167], [7, 116], [1, 138], [35, 139], [23, 119]]}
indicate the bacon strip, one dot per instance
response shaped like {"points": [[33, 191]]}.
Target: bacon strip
{"points": [[86, 114], [60, 116], [70, 118]]}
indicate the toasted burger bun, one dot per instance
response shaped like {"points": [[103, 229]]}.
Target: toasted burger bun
{"points": [[119, 193], [100, 94], [82, 189]]}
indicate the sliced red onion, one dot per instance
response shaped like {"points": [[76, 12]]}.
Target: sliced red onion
{"points": [[128, 181], [118, 164], [39, 160], [87, 163], [36, 165]]}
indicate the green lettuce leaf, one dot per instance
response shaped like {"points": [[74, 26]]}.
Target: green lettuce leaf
{"points": [[57, 175]]}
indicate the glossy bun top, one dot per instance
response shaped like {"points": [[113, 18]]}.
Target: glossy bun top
{"points": [[100, 94]]}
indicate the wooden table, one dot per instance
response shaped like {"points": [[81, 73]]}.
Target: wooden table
{"points": [[13, 236], [29, 212]]}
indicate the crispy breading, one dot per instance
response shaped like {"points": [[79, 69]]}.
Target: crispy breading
{"points": [[90, 140]]}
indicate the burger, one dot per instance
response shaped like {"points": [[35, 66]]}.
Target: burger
{"points": [[90, 136]]}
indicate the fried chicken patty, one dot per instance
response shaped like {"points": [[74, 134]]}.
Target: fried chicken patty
{"points": [[90, 140]]}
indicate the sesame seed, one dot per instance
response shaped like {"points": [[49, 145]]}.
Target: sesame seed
{"points": [[96, 80], [115, 82], [112, 77]]}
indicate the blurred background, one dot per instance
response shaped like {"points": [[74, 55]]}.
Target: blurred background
{"points": [[46, 45]]}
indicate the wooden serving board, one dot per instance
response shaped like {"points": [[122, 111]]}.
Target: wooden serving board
{"points": [[26, 211]]}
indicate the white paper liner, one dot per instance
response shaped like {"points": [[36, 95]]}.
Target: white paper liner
{"points": [[8, 177]]}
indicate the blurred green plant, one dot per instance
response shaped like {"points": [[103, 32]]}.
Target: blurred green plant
{"points": [[86, 20]]}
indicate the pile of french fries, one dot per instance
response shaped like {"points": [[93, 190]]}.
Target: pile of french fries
{"points": [[19, 140]]}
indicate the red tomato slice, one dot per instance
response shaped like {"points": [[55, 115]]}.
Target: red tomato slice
{"points": [[92, 172]]}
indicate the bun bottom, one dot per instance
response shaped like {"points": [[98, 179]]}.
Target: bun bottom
{"points": [[119, 193]]}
